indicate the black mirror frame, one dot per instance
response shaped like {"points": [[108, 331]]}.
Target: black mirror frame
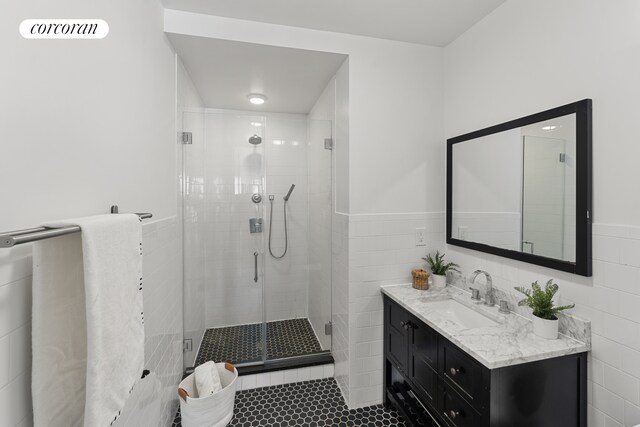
{"points": [[584, 175]]}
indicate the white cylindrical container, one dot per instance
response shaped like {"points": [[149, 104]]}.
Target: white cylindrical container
{"points": [[215, 410], [545, 328], [439, 281]]}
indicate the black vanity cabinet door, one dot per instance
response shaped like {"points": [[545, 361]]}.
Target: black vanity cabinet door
{"points": [[464, 374], [423, 360], [396, 335], [456, 411]]}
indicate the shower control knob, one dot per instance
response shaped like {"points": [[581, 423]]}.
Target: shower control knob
{"points": [[256, 198]]}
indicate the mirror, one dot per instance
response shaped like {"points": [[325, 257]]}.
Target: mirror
{"points": [[522, 189]]}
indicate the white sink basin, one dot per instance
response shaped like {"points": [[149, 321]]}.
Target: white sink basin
{"points": [[461, 314]]}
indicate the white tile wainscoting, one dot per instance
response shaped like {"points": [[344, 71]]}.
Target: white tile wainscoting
{"points": [[163, 322], [382, 251], [286, 376], [610, 300]]}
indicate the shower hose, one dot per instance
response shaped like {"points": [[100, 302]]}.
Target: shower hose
{"points": [[286, 237]]}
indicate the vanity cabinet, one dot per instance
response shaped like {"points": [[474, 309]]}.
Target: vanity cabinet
{"points": [[433, 382]]}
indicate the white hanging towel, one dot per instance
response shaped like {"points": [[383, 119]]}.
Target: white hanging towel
{"points": [[88, 321]]}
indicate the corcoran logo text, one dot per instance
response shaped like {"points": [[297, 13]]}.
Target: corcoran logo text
{"points": [[64, 29]]}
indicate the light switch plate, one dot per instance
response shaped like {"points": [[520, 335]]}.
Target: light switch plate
{"points": [[420, 236], [462, 232]]}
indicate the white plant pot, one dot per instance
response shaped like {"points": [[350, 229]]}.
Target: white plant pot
{"points": [[439, 281], [545, 328]]}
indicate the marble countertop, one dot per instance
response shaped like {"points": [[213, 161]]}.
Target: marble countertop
{"points": [[510, 342]]}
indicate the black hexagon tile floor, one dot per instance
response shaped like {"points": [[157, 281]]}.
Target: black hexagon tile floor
{"points": [[309, 404], [241, 344]]}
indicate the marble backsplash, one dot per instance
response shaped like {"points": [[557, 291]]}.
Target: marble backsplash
{"points": [[570, 325]]}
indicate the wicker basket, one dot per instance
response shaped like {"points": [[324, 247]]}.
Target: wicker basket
{"points": [[420, 279]]}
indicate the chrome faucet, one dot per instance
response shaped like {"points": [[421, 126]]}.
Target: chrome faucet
{"points": [[488, 296]]}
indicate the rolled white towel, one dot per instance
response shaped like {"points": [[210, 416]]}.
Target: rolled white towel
{"points": [[207, 379]]}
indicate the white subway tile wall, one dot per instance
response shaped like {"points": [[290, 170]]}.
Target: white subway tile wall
{"points": [[382, 250], [288, 376], [340, 300], [610, 300], [163, 322]]}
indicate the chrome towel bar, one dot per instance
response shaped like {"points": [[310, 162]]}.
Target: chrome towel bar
{"points": [[18, 237]]}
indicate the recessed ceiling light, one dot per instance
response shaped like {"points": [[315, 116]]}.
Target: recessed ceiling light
{"points": [[256, 98], [548, 127], [256, 124]]}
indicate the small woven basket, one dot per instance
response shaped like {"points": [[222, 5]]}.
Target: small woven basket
{"points": [[420, 279]]}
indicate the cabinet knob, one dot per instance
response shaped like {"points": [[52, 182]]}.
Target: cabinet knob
{"points": [[455, 371], [406, 325], [453, 414]]}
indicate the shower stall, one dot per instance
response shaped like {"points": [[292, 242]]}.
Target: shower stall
{"points": [[257, 205]]}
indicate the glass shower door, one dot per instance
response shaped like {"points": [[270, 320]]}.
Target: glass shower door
{"points": [[228, 238], [298, 253]]}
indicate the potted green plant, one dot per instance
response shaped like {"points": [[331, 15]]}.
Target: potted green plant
{"points": [[439, 269], [545, 321]]}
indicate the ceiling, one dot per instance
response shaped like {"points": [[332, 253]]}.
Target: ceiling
{"points": [[225, 72], [430, 22]]}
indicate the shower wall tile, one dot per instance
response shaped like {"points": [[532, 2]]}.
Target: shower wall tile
{"points": [[609, 300], [234, 170], [340, 315], [163, 322]]}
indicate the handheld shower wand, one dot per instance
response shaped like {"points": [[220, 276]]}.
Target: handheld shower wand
{"points": [[286, 235], [286, 198]]}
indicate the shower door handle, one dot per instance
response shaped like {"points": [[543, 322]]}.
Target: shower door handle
{"points": [[255, 267]]}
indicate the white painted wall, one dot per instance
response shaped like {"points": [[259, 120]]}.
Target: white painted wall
{"points": [[480, 214], [87, 124], [341, 173], [395, 108], [527, 57], [478, 172]]}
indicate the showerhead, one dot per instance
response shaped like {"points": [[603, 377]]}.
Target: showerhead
{"points": [[289, 193], [255, 140]]}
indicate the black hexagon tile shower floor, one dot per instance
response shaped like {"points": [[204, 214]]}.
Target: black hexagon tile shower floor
{"points": [[241, 344], [309, 404]]}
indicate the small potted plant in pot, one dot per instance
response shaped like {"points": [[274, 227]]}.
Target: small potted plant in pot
{"points": [[439, 269], [545, 321]]}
